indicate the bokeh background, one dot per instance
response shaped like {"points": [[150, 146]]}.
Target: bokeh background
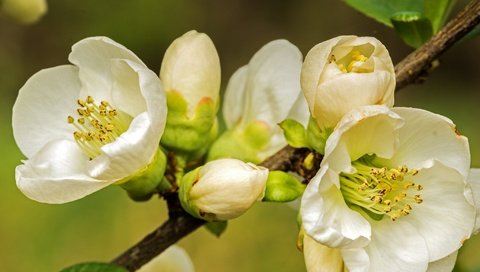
{"points": [[40, 237]]}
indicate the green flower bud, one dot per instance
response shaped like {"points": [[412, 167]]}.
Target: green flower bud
{"points": [[222, 189]]}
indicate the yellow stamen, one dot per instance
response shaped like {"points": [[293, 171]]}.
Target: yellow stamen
{"points": [[97, 125]]}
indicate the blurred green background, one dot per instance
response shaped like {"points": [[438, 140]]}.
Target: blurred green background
{"points": [[40, 237]]}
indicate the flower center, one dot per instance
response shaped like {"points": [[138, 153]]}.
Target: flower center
{"points": [[355, 61], [380, 191], [97, 125]]}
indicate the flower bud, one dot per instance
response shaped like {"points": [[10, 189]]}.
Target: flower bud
{"points": [[190, 75], [24, 11], [191, 67], [222, 189], [346, 72]]}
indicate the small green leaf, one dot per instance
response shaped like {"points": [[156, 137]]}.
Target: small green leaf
{"points": [[317, 137], [294, 133], [94, 267], [217, 228], [437, 11], [282, 187], [383, 10], [414, 28]]}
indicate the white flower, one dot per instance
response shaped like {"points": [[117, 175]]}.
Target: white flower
{"points": [[222, 189], [344, 73], [265, 92], [191, 67], [24, 11], [174, 259], [392, 191], [87, 125]]}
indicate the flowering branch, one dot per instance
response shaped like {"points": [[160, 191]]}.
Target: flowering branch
{"points": [[411, 69], [417, 64]]}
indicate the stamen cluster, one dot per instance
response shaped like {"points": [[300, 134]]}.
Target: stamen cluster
{"points": [[351, 62], [97, 125], [381, 191]]}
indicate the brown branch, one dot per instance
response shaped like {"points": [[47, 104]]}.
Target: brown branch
{"points": [[417, 64], [180, 223]]}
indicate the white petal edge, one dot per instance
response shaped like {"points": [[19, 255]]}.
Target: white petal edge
{"points": [[426, 136], [42, 106], [320, 258], [443, 265], [56, 174], [396, 247], [93, 57], [234, 99], [314, 63], [272, 80], [443, 227], [474, 181], [174, 259], [338, 95], [327, 218], [366, 130]]}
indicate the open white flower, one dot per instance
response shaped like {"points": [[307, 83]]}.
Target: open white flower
{"points": [[222, 189], [392, 191], [346, 72], [174, 259], [87, 125], [262, 94]]}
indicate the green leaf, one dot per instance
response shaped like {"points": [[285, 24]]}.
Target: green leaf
{"points": [[217, 228], [383, 10], [282, 187], [294, 133], [414, 28], [437, 11], [94, 267]]}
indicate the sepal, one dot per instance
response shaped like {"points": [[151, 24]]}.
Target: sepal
{"points": [[294, 133], [282, 187], [189, 134], [244, 144], [145, 183]]}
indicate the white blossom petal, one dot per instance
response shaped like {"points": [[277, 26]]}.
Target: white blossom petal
{"points": [[474, 181], [57, 174], [327, 218], [367, 130], [129, 153], [443, 227], [320, 258], [331, 95], [443, 265], [396, 247], [234, 100], [126, 93], [313, 65], [356, 259], [427, 136], [42, 106], [93, 57], [272, 81], [174, 259]]}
